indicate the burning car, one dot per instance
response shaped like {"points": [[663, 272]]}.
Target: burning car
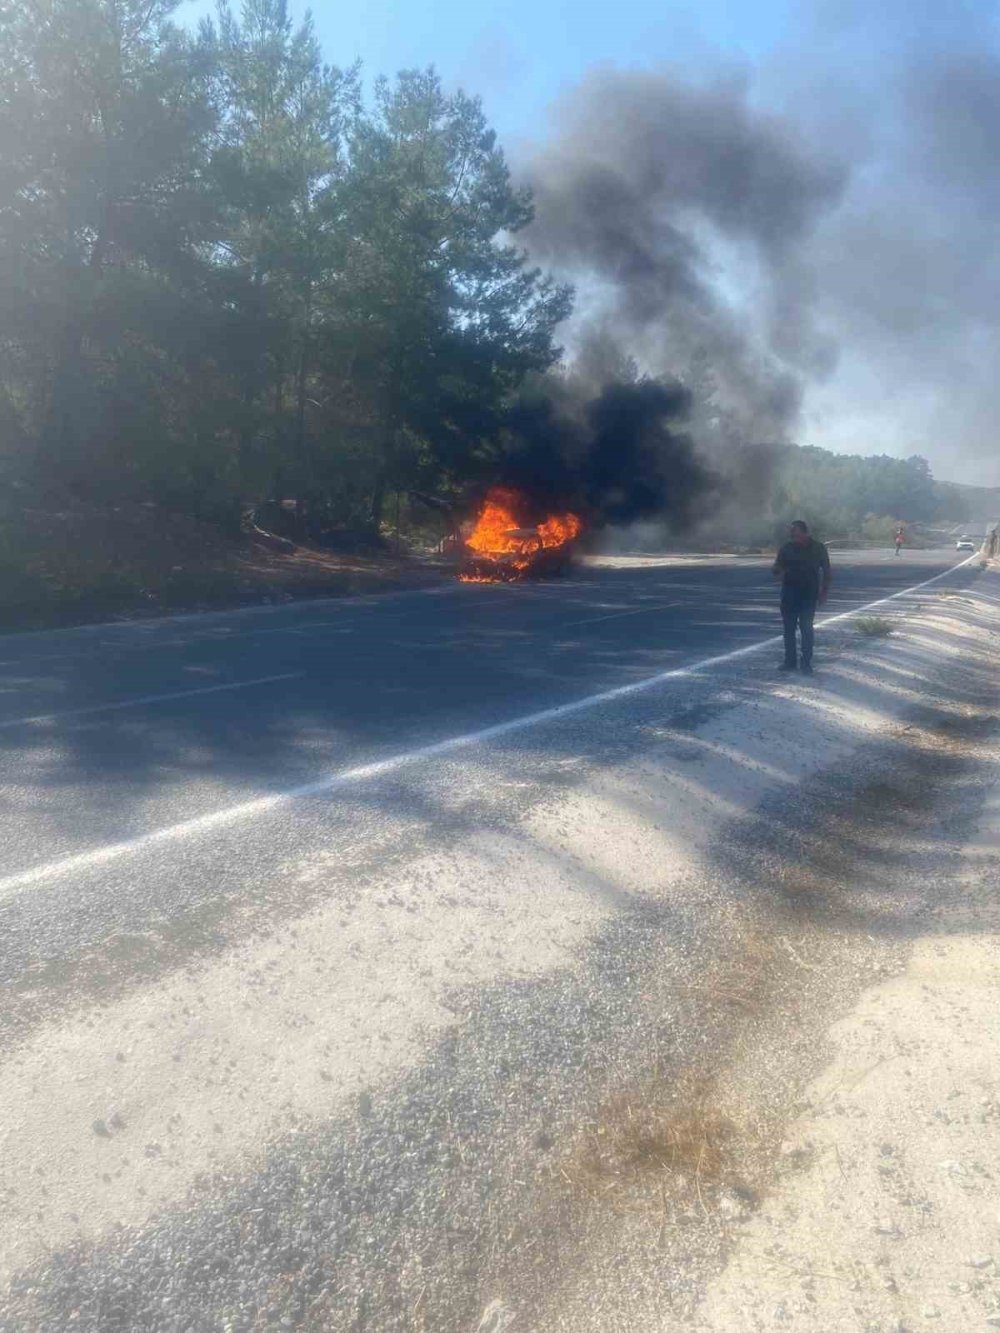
{"points": [[502, 548]]}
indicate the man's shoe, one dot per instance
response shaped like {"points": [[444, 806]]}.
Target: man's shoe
{"points": [[786, 666], [806, 668]]}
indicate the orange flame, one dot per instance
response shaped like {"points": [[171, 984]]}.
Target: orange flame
{"points": [[502, 549], [558, 529]]}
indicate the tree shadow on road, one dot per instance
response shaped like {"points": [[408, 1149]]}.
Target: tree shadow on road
{"points": [[864, 848]]}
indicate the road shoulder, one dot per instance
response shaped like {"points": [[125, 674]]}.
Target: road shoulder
{"points": [[699, 879], [887, 1213]]}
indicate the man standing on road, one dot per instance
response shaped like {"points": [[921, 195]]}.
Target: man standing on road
{"points": [[803, 566]]}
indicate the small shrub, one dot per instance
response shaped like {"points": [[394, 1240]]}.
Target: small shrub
{"points": [[874, 626]]}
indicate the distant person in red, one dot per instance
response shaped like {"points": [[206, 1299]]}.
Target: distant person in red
{"points": [[803, 565], [900, 538]]}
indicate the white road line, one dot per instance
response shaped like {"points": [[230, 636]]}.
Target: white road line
{"points": [[332, 781], [138, 702], [617, 615]]}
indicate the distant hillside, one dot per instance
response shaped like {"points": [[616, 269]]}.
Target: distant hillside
{"points": [[981, 503]]}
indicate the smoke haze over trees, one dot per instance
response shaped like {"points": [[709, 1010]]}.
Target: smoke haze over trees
{"points": [[228, 274], [820, 228], [640, 167], [224, 277]]}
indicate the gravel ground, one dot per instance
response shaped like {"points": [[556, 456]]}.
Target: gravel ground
{"points": [[578, 1146], [886, 1216]]}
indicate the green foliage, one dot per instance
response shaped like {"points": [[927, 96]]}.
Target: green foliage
{"points": [[880, 529], [225, 278], [846, 495]]}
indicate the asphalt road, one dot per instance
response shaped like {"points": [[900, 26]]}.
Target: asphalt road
{"points": [[108, 733], [287, 1009]]}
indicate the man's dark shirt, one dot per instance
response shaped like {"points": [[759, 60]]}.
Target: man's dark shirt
{"points": [[799, 566]]}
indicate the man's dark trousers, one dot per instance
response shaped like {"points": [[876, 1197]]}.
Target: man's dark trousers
{"points": [[798, 609]]}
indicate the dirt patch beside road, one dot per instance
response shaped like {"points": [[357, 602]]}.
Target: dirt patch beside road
{"points": [[696, 1164], [887, 1217], [82, 565]]}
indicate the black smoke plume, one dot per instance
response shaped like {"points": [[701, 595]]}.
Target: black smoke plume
{"points": [[818, 231], [646, 181], [615, 457]]}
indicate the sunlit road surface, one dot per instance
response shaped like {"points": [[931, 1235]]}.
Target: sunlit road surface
{"points": [[253, 861], [110, 732]]}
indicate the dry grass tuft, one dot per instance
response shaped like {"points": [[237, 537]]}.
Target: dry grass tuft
{"points": [[949, 735], [873, 626], [639, 1154], [968, 726], [745, 982]]}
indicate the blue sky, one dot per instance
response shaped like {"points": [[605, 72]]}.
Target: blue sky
{"points": [[518, 55], [905, 267]]}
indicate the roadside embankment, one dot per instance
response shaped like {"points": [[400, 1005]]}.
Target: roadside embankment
{"points": [[83, 564], [885, 1211], [524, 1032]]}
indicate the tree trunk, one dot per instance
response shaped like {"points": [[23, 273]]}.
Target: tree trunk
{"points": [[385, 476], [300, 416], [378, 500], [61, 461]]}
